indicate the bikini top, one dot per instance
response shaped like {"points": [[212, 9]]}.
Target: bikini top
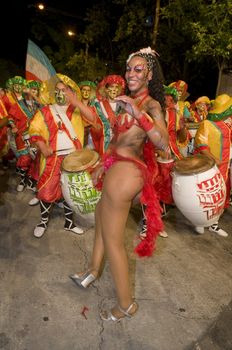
{"points": [[125, 121]]}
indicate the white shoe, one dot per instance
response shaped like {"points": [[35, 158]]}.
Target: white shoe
{"points": [[39, 231], [20, 188], [32, 188], [200, 229], [83, 280], [33, 201], [163, 234], [75, 229], [216, 229]]}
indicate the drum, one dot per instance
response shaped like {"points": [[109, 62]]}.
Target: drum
{"points": [[198, 190], [76, 183]]}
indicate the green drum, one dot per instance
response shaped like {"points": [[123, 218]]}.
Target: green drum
{"points": [[76, 183]]}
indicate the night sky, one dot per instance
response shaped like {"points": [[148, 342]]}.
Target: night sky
{"points": [[14, 31], [17, 30]]}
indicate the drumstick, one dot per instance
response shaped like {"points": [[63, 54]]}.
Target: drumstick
{"points": [[59, 150]]}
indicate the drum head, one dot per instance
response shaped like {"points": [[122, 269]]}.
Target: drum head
{"points": [[80, 160], [193, 165], [164, 161]]}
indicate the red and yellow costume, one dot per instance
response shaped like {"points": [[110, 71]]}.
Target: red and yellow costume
{"points": [[176, 119], [106, 116], [19, 115], [200, 109], [44, 127], [3, 132], [214, 135], [175, 122], [8, 100]]}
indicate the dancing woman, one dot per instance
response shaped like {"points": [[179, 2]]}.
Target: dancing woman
{"points": [[126, 175]]}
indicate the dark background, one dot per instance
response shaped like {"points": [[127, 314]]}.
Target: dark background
{"points": [[16, 29], [15, 32]]}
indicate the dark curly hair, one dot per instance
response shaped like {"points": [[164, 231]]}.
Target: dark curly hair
{"points": [[156, 84]]}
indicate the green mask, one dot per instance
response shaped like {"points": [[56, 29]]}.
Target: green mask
{"points": [[60, 97]]}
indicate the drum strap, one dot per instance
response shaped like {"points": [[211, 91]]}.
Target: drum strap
{"points": [[62, 116]]}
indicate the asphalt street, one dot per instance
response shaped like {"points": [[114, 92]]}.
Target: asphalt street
{"points": [[184, 290]]}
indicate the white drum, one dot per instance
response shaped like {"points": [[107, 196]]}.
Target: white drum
{"points": [[76, 183], [198, 190]]}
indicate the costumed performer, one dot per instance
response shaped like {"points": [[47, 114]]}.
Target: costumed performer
{"points": [[88, 93], [129, 166], [4, 146], [182, 114], [106, 109], [57, 129], [213, 139], [20, 114]]}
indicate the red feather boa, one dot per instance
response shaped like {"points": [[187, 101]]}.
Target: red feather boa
{"points": [[150, 199]]}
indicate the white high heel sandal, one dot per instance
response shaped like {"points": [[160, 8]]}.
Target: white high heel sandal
{"points": [[108, 316], [83, 280]]}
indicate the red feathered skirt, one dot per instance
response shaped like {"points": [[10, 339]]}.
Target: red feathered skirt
{"points": [[148, 197]]}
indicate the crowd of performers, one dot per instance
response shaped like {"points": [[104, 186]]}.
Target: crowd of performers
{"points": [[42, 122]]}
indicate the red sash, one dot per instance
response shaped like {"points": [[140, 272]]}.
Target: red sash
{"points": [[172, 132]]}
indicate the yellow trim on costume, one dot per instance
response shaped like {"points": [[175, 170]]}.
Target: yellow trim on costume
{"points": [[208, 134]]}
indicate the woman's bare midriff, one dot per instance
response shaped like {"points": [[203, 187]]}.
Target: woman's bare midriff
{"points": [[130, 143]]}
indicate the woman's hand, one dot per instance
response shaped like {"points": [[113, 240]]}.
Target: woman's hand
{"points": [[97, 173], [129, 105]]}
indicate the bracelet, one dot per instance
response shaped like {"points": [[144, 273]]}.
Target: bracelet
{"points": [[145, 122]]}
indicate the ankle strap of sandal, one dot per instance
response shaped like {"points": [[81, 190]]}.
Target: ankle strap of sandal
{"points": [[126, 312]]}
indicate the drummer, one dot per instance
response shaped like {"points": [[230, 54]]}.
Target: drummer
{"points": [[213, 139], [182, 114], [106, 109], [88, 93], [200, 108], [178, 133], [57, 129]]}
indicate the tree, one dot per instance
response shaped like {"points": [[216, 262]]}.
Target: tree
{"points": [[208, 25], [212, 34], [156, 23]]}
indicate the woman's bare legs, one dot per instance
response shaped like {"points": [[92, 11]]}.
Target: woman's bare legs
{"points": [[98, 247], [121, 184]]}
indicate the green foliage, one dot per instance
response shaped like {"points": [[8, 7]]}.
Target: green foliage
{"points": [[212, 32], [192, 35], [206, 23], [81, 68]]}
